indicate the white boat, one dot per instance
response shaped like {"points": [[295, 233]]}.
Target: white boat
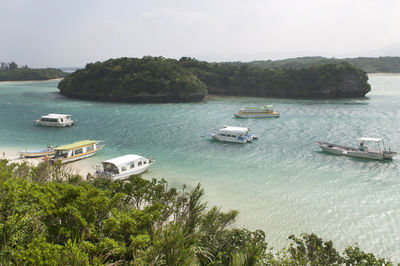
{"points": [[76, 151], [256, 112], [55, 120], [37, 153], [363, 151], [124, 166], [233, 134]]}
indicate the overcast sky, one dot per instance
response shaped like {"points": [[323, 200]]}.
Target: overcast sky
{"points": [[55, 33]]}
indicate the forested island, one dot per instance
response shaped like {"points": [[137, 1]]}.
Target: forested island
{"points": [[49, 216], [387, 64], [11, 72], [157, 79]]}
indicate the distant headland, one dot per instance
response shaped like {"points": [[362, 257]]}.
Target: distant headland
{"points": [[159, 79], [11, 72]]}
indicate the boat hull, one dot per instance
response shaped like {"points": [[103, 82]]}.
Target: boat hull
{"points": [[51, 124], [234, 140], [35, 154], [273, 115], [353, 152]]}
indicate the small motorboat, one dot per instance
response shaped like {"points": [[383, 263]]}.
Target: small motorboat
{"points": [[76, 151], [37, 153], [363, 151]]}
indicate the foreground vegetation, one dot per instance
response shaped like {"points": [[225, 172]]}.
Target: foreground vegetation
{"points": [[11, 72], [157, 79], [51, 217]]}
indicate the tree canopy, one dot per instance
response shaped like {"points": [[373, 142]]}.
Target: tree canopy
{"points": [[157, 79], [51, 217], [368, 64], [150, 79]]}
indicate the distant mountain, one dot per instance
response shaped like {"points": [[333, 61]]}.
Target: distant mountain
{"points": [[390, 50]]}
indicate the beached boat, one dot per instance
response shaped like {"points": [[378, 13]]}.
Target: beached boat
{"points": [[76, 151], [125, 166], [379, 152], [55, 120], [37, 153], [256, 112], [233, 134]]}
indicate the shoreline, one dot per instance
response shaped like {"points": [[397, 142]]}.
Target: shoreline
{"points": [[78, 167]]}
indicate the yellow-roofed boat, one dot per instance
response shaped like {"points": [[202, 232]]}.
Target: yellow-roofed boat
{"points": [[76, 151]]}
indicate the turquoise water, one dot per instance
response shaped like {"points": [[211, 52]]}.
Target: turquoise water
{"points": [[281, 183]]}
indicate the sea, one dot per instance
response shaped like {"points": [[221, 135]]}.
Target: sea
{"points": [[281, 183]]}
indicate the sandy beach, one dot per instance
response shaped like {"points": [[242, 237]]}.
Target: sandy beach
{"points": [[79, 167]]}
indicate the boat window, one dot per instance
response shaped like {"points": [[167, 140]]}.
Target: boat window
{"points": [[132, 165], [144, 162], [228, 135], [89, 148], [123, 168], [78, 151], [61, 120], [139, 163], [222, 135]]}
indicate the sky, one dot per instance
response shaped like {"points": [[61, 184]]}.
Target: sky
{"points": [[57, 33]]}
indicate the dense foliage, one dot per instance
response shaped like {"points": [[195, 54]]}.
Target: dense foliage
{"points": [[11, 72], [367, 64], [150, 79], [51, 217], [156, 79], [323, 81]]}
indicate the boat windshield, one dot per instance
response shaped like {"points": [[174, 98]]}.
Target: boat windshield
{"points": [[61, 153], [111, 168]]}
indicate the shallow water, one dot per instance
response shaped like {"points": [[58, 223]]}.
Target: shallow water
{"points": [[281, 183]]}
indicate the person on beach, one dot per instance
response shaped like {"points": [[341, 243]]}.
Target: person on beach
{"points": [[361, 147]]}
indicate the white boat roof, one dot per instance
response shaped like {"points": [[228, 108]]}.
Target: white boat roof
{"points": [[56, 116], [235, 129], [257, 107], [370, 139], [124, 159]]}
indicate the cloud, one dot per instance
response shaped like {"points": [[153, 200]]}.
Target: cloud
{"points": [[55, 33]]}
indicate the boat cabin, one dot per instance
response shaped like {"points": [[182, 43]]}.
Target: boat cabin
{"points": [[55, 120], [125, 166], [233, 134], [264, 109], [76, 151]]}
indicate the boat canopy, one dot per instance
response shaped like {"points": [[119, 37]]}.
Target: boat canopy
{"points": [[241, 130], [75, 145], [256, 107], [370, 139], [122, 160], [56, 116]]}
